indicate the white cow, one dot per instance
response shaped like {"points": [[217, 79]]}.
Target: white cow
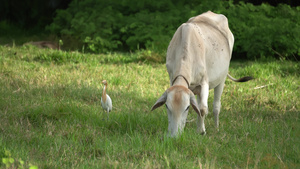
{"points": [[198, 59]]}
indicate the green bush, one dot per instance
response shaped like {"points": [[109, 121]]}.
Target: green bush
{"points": [[131, 24], [265, 30]]}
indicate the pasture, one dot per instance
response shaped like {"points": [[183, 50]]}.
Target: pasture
{"points": [[51, 115]]}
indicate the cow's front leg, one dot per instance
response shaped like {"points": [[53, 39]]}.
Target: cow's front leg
{"points": [[202, 102], [201, 125]]}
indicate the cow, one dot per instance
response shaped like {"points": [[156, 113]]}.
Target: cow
{"points": [[197, 60]]}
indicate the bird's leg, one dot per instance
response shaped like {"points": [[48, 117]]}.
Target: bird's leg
{"points": [[107, 113], [103, 116]]}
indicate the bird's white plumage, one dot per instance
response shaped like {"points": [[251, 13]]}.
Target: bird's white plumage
{"points": [[106, 101], [107, 105]]}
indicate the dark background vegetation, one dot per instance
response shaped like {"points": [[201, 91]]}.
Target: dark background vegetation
{"points": [[262, 28]]}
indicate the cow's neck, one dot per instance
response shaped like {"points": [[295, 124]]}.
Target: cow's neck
{"points": [[180, 80]]}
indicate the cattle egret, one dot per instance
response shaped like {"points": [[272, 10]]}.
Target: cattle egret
{"points": [[106, 102]]}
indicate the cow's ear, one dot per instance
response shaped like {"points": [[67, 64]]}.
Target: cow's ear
{"points": [[161, 101], [194, 104]]}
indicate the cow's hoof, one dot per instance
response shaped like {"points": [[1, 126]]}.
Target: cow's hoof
{"points": [[202, 132]]}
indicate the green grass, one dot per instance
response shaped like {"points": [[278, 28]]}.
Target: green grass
{"points": [[51, 116]]}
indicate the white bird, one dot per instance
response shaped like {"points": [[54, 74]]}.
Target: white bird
{"points": [[106, 102]]}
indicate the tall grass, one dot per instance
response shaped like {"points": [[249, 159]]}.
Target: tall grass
{"points": [[51, 116]]}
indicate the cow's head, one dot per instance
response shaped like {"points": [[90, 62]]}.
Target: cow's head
{"points": [[178, 100]]}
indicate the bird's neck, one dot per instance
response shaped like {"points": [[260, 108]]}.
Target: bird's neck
{"points": [[104, 93]]}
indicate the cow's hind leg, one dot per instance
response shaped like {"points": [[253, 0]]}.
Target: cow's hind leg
{"points": [[217, 103], [202, 102]]}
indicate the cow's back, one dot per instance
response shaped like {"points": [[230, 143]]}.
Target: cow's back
{"points": [[216, 21], [201, 47]]}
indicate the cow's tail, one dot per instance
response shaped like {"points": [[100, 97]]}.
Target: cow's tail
{"points": [[243, 79]]}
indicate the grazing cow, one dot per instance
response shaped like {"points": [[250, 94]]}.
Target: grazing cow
{"points": [[198, 59]]}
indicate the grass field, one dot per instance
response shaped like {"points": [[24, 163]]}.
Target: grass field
{"points": [[51, 116]]}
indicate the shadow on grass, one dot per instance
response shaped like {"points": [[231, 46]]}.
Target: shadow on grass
{"points": [[61, 57]]}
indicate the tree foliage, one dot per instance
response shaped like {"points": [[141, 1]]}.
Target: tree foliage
{"points": [[265, 30], [133, 24]]}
